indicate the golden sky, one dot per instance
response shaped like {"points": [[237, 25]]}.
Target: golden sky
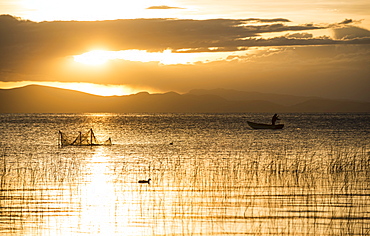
{"points": [[113, 47]]}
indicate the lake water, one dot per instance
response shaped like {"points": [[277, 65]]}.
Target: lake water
{"points": [[219, 177]]}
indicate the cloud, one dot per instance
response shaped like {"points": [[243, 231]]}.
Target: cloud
{"points": [[350, 32], [290, 41], [299, 35], [346, 21], [265, 20], [24, 43], [24, 40], [163, 7]]}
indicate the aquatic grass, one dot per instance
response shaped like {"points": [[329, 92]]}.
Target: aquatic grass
{"points": [[31, 171], [259, 188], [283, 191], [3, 168], [32, 188]]}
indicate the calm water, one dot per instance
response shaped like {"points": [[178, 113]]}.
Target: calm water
{"points": [[218, 178]]}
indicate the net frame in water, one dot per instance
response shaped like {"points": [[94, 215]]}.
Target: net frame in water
{"points": [[86, 139]]}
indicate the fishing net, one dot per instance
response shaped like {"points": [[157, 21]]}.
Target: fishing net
{"points": [[86, 139]]}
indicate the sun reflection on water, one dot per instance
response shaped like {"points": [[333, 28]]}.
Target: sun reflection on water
{"points": [[104, 204], [97, 197]]}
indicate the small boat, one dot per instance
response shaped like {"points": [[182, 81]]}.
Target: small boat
{"points": [[264, 126]]}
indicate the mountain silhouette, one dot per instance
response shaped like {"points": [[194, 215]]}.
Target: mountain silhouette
{"points": [[43, 99], [234, 95]]}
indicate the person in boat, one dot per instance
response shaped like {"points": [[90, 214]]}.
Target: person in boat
{"points": [[274, 119]]}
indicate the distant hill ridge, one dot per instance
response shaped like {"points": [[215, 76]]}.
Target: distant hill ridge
{"points": [[43, 99], [234, 95]]}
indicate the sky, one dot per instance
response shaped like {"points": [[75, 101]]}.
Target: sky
{"points": [[114, 47]]}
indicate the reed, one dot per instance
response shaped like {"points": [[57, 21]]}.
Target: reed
{"points": [[289, 191], [32, 187], [285, 191]]}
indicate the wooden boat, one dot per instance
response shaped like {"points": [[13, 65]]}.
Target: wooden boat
{"points": [[264, 126]]}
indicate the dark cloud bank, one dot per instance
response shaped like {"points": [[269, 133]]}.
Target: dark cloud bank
{"points": [[25, 40]]}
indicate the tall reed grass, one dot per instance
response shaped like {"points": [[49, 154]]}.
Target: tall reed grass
{"points": [[279, 192], [285, 191]]}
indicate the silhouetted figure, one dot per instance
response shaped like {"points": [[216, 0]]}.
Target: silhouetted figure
{"points": [[274, 119]]}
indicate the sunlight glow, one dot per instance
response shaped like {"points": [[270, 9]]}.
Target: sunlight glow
{"points": [[96, 89], [166, 57]]}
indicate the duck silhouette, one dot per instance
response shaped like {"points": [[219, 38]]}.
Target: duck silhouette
{"points": [[144, 181]]}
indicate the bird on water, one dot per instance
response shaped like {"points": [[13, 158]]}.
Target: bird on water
{"points": [[144, 181]]}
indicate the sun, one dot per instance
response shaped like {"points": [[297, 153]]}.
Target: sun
{"points": [[95, 57]]}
